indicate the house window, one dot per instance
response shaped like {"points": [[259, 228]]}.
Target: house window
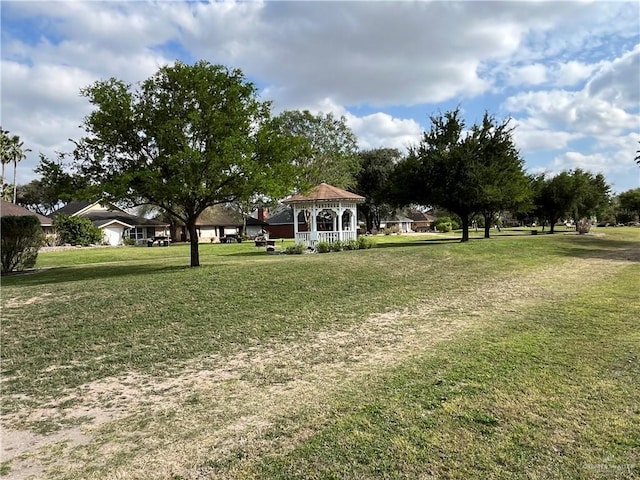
{"points": [[137, 233]]}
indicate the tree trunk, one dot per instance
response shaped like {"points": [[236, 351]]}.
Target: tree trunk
{"points": [[15, 167], [193, 240], [487, 225], [465, 227]]}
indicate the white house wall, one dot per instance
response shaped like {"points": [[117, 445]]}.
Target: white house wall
{"points": [[113, 235], [205, 234]]}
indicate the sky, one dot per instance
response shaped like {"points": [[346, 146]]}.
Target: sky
{"points": [[566, 73]]}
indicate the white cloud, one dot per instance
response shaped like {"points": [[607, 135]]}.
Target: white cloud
{"points": [[571, 111], [571, 73], [618, 82], [533, 74], [531, 139], [383, 130]]}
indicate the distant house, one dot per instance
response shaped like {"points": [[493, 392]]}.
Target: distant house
{"points": [[8, 209], [257, 226], [115, 223], [218, 221], [397, 223], [422, 221]]}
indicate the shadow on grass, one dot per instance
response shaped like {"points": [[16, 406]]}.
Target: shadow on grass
{"points": [[602, 248], [87, 272], [257, 253], [417, 243]]}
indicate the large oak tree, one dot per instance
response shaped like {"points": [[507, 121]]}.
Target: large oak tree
{"points": [[190, 137]]}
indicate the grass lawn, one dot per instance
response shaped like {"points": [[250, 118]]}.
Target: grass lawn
{"points": [[514, 357]]}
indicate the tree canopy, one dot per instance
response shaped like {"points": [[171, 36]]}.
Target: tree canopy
{"points": [[329, 150], [55, 187], [372, 182], [574, 194], [190, 137], [466, 172], [630, 201]]}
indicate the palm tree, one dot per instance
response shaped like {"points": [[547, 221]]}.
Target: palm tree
{"points": [[18, 155], [11, 151], [5, 142]]}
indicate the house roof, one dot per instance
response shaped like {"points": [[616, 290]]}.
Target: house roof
{"points": [[418, 216], [396, 219], [71, 208], [103, 218], [111, 221], [219, 217], [9, 209], [324, 192], [251, 221], [80, 207], [283, 217]]}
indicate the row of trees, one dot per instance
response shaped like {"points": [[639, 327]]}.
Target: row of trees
{"points": [[194, 136]]}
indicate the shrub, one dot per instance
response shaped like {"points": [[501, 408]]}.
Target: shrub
{"points": [[445, 224], [351, 245], [129, 241], [336, 246], [21, 238], [323, 247], [296, 249], [583, 226], [364, 243], [388, 231], [77, 230]]}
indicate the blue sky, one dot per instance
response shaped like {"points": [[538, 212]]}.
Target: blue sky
{"points": [[567, 73]]}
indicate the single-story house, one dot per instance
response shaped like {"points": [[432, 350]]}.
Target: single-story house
{"points": [[422, 221], [115, 223], [218, 221], [8, 209], [398, 223]]}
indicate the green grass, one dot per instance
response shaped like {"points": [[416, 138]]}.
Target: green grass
{"points": [[544, 382], [547, 394], [141, 313]]}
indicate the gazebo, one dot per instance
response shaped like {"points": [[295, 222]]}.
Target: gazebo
{"points": [[330, 214]]}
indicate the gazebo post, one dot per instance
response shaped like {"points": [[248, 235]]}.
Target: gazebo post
{"points": [[295, 223]]}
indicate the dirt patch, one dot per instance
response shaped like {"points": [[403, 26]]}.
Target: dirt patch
{"points": [[21, 302], [220, 404]]}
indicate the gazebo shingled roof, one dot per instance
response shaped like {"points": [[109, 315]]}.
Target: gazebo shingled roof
{"points": [[324, 192]]}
